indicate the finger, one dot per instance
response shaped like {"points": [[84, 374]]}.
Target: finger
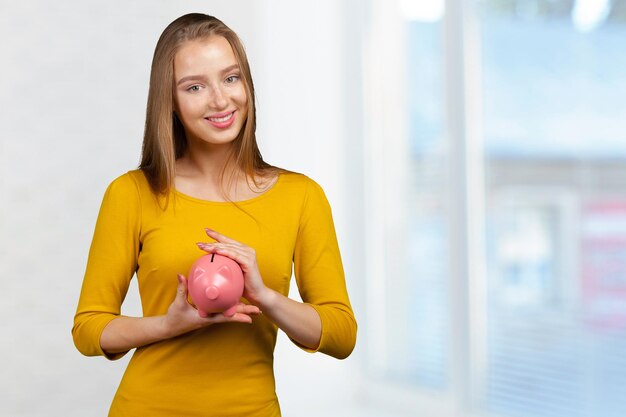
{"points": [[209, 244], [233, 253], [230, 250], [240, 253], [248, 309], [240, 318], [181, 290], [220, 237], [253, 312], [182, 285], [207, 247], [237, 317], [214, 245]]}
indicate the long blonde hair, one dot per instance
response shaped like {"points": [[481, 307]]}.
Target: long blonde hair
{"points": [[164, 138]]}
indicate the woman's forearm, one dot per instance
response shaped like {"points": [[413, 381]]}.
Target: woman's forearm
{"points": [[298, 320], [125, 333]]}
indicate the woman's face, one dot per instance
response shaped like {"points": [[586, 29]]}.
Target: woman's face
{"points": [[209, 94]]}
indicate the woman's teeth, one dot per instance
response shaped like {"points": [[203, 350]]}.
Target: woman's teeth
{"points": [[220, 119]]}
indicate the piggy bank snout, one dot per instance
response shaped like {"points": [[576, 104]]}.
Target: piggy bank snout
{"points": [[212, 292]]}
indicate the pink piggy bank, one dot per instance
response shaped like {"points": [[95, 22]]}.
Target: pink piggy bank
{"points": [[215, 285]]}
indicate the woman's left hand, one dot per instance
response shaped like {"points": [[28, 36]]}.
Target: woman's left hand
{"points": [[254, 288]]}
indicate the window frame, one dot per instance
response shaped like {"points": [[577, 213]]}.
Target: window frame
{"points": [[386, 150]]}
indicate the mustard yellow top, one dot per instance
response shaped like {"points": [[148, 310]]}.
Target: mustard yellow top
{"points": [[225, 369]]}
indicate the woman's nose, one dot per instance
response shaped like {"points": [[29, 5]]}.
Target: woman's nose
{"points": [[217, 99]]}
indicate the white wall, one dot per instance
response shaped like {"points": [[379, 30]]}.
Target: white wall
{"points": [[73, 86], [308, 84]]}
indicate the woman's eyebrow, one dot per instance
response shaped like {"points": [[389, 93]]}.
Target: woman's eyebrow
{"points": [[190, 77], [230, 68], [202, 77]]}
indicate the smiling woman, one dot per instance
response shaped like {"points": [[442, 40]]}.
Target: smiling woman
{"points": [[210, 99], [200, 125], [197, 64]]}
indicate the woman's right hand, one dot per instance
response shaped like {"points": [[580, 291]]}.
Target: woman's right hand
{"points": [[182, 317]]}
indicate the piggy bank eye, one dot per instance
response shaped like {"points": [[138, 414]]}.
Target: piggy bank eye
{"points": [[212, 256]]}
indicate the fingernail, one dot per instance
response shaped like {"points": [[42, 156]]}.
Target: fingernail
{"points": [[208, 230], [180, 278]]}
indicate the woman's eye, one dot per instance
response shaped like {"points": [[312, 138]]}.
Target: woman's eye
{"points": [[194, 88], [232, 79]]}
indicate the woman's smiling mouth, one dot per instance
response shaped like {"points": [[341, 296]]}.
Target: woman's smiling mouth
{"points": [[222, 120]]}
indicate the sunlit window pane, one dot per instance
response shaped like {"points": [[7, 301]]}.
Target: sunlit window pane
{"points": [[555, 150], [428, 244]]}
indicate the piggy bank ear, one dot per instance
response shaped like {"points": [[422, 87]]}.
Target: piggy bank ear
{"points": [[198, 272]]}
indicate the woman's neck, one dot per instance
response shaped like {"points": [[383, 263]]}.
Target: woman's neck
{"points": [[207, 170], [207, 161]]}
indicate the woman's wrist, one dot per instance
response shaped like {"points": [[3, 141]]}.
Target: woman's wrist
{"points": [[165, 328], [300, 321], [169, 327], [265, 300]]}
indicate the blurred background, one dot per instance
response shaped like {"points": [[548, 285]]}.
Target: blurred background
{"points": [[474, 154]]}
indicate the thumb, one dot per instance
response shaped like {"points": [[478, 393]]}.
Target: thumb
{"points": [[182, 287]]}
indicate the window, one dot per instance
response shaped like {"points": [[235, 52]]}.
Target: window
{"points": [[512, 287], [555, 159]]}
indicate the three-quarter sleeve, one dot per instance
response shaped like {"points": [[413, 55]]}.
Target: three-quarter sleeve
{"points": [[111, 264], [320, 276]]}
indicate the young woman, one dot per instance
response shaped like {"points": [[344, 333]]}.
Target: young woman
{"points": [[201, 187]]}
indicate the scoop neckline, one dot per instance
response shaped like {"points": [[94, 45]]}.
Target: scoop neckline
{"points": [[226, 203]]}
